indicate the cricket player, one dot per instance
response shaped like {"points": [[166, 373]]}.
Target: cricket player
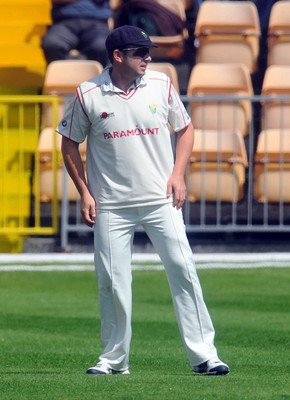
{"points": [[134, 179]]}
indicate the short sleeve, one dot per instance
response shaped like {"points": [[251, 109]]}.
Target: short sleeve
{"points": [[178, 115], [75, 123]]}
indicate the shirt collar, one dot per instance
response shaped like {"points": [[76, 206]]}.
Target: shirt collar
{"points": [[108, 86]]}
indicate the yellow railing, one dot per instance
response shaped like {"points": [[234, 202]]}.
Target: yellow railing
{"points": [[20, 197]]}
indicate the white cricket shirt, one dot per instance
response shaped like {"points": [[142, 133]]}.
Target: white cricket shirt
{"points": [[129, 151]]}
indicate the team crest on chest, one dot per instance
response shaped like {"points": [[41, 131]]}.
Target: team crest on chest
{"points": [[153, 108]]}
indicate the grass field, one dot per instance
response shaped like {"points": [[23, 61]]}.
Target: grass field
{"points": [[49, 335]]}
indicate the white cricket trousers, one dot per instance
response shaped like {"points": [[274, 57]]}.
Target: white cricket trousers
{"points": [[114, 233]]}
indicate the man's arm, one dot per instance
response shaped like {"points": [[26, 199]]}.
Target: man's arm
{"points": [[176, 183], [74, 165]]}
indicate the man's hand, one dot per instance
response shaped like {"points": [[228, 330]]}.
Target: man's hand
{"points": [[88, 210], [75, 168], [176, 187], [176, 183]]}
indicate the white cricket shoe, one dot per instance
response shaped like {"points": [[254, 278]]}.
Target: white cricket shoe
{"points": [[214, 366], [101, 369]]}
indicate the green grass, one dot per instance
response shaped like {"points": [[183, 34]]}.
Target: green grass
{"points": [[49, 335]]}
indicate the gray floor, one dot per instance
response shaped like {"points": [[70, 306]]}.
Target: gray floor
{"points": [[200, 243]]}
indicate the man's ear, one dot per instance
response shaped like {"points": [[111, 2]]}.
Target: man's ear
{"points": [[117, 55]]}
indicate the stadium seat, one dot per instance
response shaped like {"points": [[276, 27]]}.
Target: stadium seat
{"points": [[275, 109], [272, 157], [218, 112], [22, 25], [279, 34], [169, 69], [62, 78], [115, 4], [272, 166], [228, 32], [171, 47], [217, 167]]}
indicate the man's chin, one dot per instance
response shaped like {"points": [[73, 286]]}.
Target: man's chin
{"points": [[142, 70]]}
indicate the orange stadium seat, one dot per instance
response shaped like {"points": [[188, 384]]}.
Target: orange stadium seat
{"points": [[228, 32], [272, 157], [169, 69], [279, 34], [171, 46], [217, 167], [62, 78], [272, 166], [216, 80], [276, 109]]}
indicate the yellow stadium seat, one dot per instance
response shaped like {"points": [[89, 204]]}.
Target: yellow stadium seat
{"points": [[217, 80], [228, 32], [217, 167], [36, 11], [279, 34], [272, 166], [22, 25]]}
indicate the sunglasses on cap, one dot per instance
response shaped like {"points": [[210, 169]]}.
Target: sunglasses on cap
{"points": [[138, 51]]}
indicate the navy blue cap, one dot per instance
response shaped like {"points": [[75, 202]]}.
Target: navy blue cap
{"points": [[126, 36]]}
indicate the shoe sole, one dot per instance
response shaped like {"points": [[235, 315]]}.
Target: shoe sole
{"points": [[214, 373], [95, 372], [218, 373], [112, 372]]}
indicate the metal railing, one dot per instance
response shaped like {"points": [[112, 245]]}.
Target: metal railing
{"points": [[21, 207], [250, 213]]}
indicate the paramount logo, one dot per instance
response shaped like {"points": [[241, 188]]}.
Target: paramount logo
{"points": [[131, 132]]}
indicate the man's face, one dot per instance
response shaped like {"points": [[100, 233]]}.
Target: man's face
{"points": [[137, 58]]}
